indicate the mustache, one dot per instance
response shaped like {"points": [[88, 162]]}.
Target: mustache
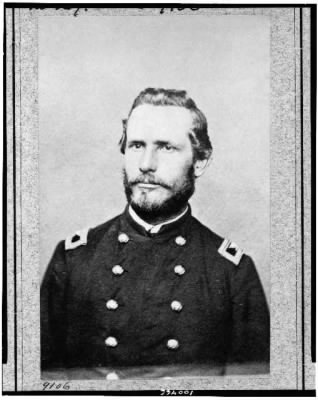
{"points": [[149, 180]]}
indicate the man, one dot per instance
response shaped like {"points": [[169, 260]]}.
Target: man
{"points": [[153, 286]]}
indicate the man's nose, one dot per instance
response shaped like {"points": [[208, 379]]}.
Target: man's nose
{"points": [[148, 161]]}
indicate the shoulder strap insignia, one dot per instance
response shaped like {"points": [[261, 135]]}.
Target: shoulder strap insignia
{"points": [[78, 239], [231, 251]]}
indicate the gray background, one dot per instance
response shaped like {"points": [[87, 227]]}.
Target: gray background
{"points": [[90, 70], [287, 319]]}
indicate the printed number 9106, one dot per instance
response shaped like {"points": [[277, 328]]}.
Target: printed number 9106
{"points": [[56, 386]]}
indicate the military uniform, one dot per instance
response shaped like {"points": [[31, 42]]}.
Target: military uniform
{"points": [[122, 296]]}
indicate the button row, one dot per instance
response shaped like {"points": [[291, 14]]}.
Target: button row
{"points": [[124, 238], [113, 305], [172, 344], [119, 270]]}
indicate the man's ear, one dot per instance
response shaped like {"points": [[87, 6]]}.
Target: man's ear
{"points": [[200, 166]]}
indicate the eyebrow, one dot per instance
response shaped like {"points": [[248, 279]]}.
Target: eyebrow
{"points": [[165, 142], [157, 142], [136, 141]]}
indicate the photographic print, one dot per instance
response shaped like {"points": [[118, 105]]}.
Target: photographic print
{"points": [[159, 187]]}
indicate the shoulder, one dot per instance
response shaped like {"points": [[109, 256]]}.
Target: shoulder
{"points": [[87, 237], [76, 250], [226, 258], [224, 249], [206, 234]]}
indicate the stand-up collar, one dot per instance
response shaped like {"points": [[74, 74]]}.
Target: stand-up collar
{"points": [[172, 226], [150, 228]]}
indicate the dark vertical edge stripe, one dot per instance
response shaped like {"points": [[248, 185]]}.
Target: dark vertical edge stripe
{"points": [[296, 188], [313, 100], [14, 201], [302, 198], [4, 206]]}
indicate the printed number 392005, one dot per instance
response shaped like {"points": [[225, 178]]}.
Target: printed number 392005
{"points": [[56, 386], [166, 392]]}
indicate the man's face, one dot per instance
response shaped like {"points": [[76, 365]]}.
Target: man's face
{"points": [[159, 159]]}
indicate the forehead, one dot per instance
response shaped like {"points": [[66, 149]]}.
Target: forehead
{"points": [[163, 122]]}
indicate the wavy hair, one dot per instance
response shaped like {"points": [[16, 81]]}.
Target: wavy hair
{"points": [[198, 134]]}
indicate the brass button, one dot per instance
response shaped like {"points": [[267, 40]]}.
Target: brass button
{"points": [[111, 304], [172, 344], [176, 306], [179, 270], [117, 270], [180, 241], [111, 376], [111, 341], [123, 238]]}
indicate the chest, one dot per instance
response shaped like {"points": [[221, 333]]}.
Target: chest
{"points": [[142, 286]]}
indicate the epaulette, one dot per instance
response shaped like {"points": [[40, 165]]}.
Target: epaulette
{"points": [[231, 251], [79, 238]]}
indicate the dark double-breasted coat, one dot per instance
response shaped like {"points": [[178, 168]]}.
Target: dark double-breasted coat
{"points": [[124, 297]]}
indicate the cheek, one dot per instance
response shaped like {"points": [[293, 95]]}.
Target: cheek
{"points": [[131, 162], [175, 167]]}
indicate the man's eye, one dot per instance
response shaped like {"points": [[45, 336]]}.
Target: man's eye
{"points": [[135, 146], [167, 148]]}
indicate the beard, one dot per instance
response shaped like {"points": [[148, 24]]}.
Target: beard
{"points": [[151, 211]]}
